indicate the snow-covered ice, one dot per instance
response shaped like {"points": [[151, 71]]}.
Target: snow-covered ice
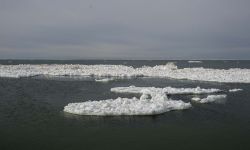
{"points": [[167, 90], [105, 80], [210, 98], [150, 103], [169, 70], [194, 61], [235, 90]]}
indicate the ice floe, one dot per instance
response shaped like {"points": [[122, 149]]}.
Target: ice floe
{"points": [[170, 70], [235, 90], [210, 99], [167, 90], [150, 103], [105, 80], [194, 61]]}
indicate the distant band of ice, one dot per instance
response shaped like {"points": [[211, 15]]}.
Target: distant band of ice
{"points": [[167, 90], [235, 90], [104, 80], [150, 103], [194, 61], [210, 98], [169, 70]]}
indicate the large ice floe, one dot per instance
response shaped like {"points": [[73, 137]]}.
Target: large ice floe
{"points": [[169, 70], [148, 104], [151, 102]]}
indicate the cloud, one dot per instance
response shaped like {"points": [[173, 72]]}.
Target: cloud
{"points": [[132, 29]]}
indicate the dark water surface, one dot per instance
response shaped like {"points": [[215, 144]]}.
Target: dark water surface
{"points": [[31, 115]]}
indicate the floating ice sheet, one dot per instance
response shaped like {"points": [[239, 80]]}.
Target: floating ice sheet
{"points": [[169, 70], [235, 90], [150, 103], [105, 80], [194, 61], [210, 99], [167, 90]]}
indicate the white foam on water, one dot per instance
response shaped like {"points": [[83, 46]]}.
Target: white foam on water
{"points": [[235, 90], [210, 99], [167, 90], [150, 103], [169, 70]]}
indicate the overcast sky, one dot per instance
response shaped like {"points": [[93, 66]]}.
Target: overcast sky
{"points": [[125, 29]]}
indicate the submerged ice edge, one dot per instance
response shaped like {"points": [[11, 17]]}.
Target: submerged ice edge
{"points": [[169, 70]]}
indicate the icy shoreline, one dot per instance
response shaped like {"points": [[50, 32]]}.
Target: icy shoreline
{"points": [[169, 70]]}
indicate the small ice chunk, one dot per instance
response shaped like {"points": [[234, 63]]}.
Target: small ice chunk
{"points": [[197, 99], [210, 98], [105, 80], [194, 61], [235, 90]]}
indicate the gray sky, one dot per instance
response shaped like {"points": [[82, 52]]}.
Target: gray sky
{"points": [[125, 29]]}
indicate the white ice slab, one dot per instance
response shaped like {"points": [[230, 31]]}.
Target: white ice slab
{"points": [[150, 103], [235, 90], [105, 80], [169, 70], [194, 61], [167, 90], [210, 98]]}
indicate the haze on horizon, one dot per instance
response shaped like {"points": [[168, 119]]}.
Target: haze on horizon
{"points": [[131, 29]]}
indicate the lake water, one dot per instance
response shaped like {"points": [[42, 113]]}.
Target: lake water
{"points": [[32, 117]]}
